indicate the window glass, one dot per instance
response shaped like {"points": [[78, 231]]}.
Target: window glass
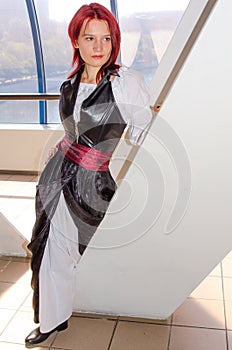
{"points": [[54, 17], [17, 62], [147, 28], [16, 112]]}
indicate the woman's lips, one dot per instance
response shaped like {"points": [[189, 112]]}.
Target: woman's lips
{"points": [[97, 56]]}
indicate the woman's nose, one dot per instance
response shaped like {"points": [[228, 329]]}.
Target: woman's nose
{"points": [[97, 45]]}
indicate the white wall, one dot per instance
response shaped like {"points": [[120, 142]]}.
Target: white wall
{"points": [[12, 241], [170, 223], [23, 147]]}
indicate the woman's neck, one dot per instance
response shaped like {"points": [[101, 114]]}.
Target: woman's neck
{"points": [[89, 75]]}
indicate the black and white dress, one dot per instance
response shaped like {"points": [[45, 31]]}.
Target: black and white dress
{"points": [[76, 186]]}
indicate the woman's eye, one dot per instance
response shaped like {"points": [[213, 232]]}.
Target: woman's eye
{"points": [[107, 38], [89, 38]]}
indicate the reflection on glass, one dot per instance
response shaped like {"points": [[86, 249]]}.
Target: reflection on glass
{"points": [[147, 28]]}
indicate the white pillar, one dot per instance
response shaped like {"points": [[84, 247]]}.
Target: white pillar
{"points": [[170, 223]]}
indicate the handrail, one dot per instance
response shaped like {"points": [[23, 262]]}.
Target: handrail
{"points": [[29, 96]]}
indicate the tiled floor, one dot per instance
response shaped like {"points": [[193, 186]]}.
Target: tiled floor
{"points": [[202, 322]]}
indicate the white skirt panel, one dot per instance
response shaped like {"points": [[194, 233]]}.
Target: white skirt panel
{"points": [[58, 270]]}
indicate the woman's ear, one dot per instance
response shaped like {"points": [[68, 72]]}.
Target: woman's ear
{"points": [[76, 46]]}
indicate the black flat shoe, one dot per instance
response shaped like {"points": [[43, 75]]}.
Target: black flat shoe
{"points": [[36, 337]]}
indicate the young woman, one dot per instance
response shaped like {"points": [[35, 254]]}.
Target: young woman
{"points": [[98, 102]]}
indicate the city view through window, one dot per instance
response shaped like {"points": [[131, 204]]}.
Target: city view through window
{"points": [[147, 28]]}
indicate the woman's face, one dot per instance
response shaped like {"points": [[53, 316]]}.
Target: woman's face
{"points": [[94, 43]]}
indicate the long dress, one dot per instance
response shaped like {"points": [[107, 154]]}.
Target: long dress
{"points": [[78, 178]]}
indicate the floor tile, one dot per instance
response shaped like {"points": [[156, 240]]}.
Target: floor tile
{"points": [[3, 264], [138, 336], [6, 258], [21, 259], [228, 311], [209, 288], [94, 315], [89, 334], [27, 304], [200, 313], [19, 327], [229, 340], [12, 346], [16, 272], [167, 321], [5, 317], [227, 268], [227, 285], [184, 338], [13, 295]]}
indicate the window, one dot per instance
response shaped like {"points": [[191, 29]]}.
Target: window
{"points": [[147, 28], [17, 63]]}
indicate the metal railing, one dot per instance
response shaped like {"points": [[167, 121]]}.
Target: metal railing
{"points": [[29, 96]]}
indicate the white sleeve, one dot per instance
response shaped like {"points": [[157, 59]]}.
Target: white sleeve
{"points": [[132, 94]]}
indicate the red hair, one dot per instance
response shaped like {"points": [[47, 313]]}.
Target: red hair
{"points": [[90, 12]]}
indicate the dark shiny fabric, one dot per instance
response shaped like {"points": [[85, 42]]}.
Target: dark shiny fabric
{"points": [[87, 193]]}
